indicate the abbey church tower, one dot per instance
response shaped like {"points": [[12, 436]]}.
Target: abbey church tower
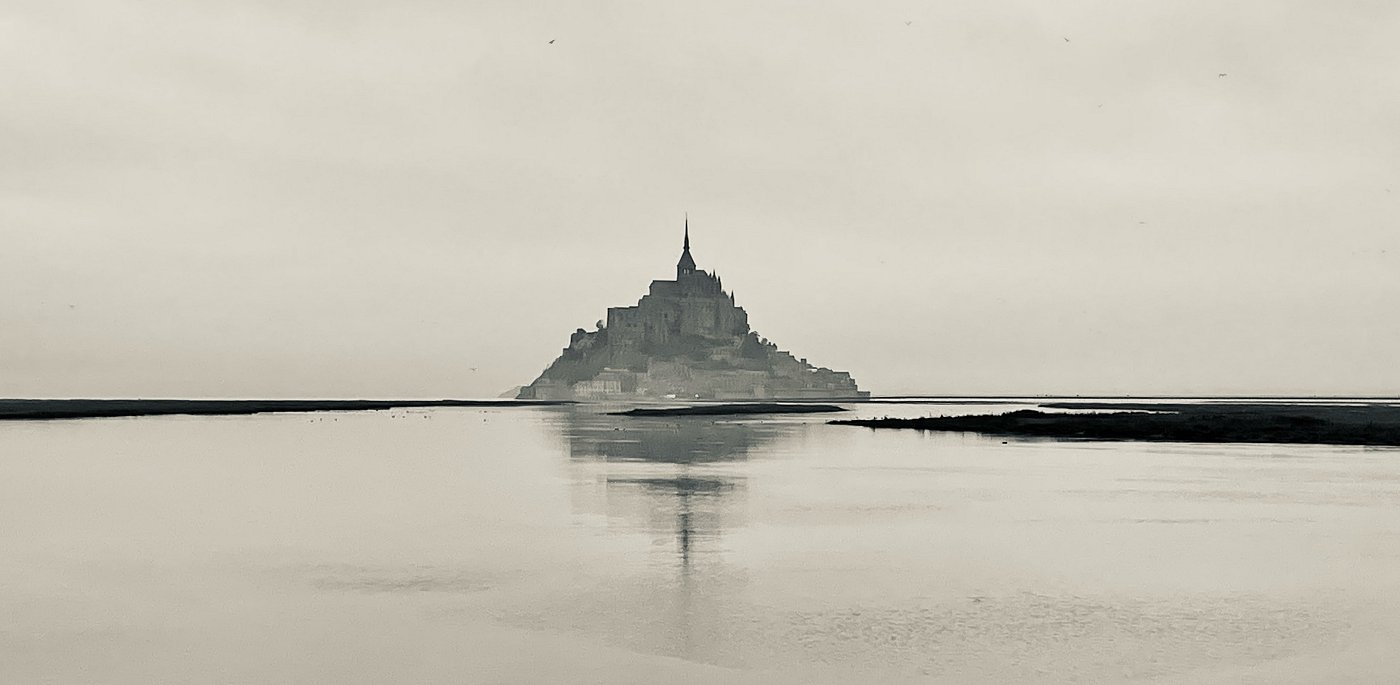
{"points": [[686, 266]]}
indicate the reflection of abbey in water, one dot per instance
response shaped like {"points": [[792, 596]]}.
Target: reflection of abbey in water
{"points": [[667, 476], [683, 440], [685, 339], [678, 482]]}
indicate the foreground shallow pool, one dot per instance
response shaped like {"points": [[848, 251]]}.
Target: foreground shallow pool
{"points": [[560, 544]]}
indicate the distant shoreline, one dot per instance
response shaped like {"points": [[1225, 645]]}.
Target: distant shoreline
{"points": [[1282, 423], [28, 410]]}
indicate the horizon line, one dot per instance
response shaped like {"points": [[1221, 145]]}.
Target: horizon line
{"points": [[893, 396]]}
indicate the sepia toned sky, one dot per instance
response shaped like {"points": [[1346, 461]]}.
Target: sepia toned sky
{"points": [[318, 198]]}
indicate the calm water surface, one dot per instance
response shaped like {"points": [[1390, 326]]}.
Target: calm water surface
{"points": [[545, 545]]}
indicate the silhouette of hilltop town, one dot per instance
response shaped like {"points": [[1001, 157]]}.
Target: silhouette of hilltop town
{"points": [[685, 339]]}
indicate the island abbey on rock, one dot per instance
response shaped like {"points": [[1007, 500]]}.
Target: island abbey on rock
{"points": [[685, 339]]}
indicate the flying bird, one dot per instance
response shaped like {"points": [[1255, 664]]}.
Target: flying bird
{"points": [[1221, 75], [908, 23], [552, 41], [1066, 39]]}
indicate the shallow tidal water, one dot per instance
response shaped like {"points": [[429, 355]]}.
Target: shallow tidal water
{"points": [[562, 545]]}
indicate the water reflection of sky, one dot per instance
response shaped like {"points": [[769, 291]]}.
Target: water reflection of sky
{"points": [[539, 544]]}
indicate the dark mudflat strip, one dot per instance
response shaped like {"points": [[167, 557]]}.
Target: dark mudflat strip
{"points": [[1375, 425], [1348, 411], [84, 409], [732, 410]]}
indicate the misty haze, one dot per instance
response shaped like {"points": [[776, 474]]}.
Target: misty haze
{"points": [[496, 342]]}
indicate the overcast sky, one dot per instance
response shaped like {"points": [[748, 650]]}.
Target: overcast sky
{"points": [[331, 198]]}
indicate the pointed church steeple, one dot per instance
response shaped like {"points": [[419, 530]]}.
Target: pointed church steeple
{"points": [[687, 264]]}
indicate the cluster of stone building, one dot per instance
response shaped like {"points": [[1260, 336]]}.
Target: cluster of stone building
{"points": [[685, 339]]}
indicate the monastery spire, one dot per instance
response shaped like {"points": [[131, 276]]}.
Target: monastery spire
{"points": [[687, 264]]}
